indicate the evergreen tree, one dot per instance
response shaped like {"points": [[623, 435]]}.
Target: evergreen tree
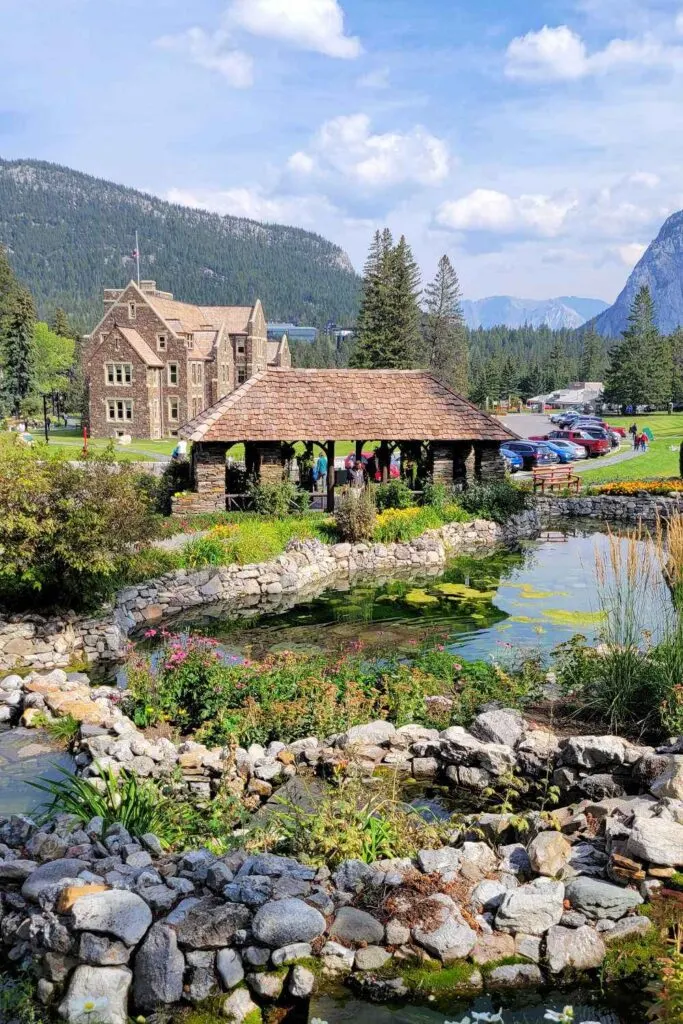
{"points": [[676, 353], [640, 370], [446, 335], [371, 326], [403, 342], [19, 348], [60, 324], [592, 359]]}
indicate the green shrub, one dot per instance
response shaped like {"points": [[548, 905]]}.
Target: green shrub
{"points": [[18, 1000], [437, 495], [497, 501], [175, 478], [355, 514], [394, 494], [65, 529], [403, 524], [277, 499], [147, 564]]}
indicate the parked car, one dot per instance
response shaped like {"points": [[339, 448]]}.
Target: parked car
{"points": [[595, 446], [513, 460], [565, 455], [576, 450], [532, 454]]}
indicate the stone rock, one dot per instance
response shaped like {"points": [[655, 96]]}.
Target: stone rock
{"points": [[396, 934], [16, 870], [48, 874], [266, 986], [102, 952], [515, 976], [351, 874], [597, 899], [443, 861], [581, 948], [229, 967], [122, 914], [504, 726], [489, 894], [281, 922], [477, 860], [159, 969], [533, 908], [670, 782], [489, 948], [371, 958], [625, 927], [528, 946], [238, 1005], [373, 734], [301, 982], [70, 894], [656, 840], [549, 853], [352, 925], [288, 954], [208, 923], [599, 752], [104, 988], [451, 938]]}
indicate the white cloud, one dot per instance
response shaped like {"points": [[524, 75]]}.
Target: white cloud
{"points": [[488, 210], [316, 25], [256, 204], [560, 53], [347, 146], [678, 25], [644, 178], [630, 253], [213, 51]]}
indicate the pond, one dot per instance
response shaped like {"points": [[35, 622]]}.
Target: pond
{"points": [[533, 597], [25, 756]]}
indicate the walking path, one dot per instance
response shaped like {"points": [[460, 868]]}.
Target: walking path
{"points": [[610, 460]]}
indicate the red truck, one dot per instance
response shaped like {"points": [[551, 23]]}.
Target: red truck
{"points": [[594, 445]]}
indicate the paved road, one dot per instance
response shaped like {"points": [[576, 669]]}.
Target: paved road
{"points": [[528, 424]]}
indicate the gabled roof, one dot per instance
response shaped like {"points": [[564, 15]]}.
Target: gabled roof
{"points": [[186, 318], [307, 405], [140, 346]]}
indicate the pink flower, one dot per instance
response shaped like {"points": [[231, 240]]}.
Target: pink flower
{"points": [[149, 633], [458, 668], [440, 647]]}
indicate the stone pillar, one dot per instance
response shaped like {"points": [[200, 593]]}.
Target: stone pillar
{"points": [[208, 471], [329, 451], [385, 461], [489, 464], [272, 467], [463, 468], [443, 462]]}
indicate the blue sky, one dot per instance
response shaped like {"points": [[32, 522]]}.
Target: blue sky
{"points": [[539, 144]]}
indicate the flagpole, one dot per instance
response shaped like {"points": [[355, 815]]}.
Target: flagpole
{"points": [[137, 256]]}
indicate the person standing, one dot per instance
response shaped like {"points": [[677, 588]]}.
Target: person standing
{"points": [[321, 471], [358, 475]]}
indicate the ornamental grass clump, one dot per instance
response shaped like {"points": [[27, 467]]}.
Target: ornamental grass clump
{"points": [[355, 514]]}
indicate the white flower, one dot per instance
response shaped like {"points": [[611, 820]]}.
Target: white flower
{"points": [[565, 1017], [90, 1008], [317, 1020]]}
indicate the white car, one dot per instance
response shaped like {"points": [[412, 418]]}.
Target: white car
{"points": [[577, 450]]}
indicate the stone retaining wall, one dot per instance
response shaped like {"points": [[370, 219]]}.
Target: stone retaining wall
{"points": [[632, 509], [305, 569], [110, 918]]}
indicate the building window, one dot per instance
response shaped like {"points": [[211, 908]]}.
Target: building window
{"points": [[241, 375], [173, 409], [131, 311], [119, 410], [161, 342], [119, 373], [224, 373], [240, 347], [173, 374], [197, 405], [196, 373]]}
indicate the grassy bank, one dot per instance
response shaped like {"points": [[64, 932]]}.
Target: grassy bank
{"points": [[659, 461]]}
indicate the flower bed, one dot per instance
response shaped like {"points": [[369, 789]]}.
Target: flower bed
{"points": [[628, 487]]}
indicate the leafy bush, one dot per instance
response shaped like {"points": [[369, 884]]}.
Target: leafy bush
{"points": [[146, 564], [64, 529], [175, 478], [437, 495], [394, 494], [497, 501], [277, 499], [347, 824], [355, 514], [401, 524], [136, 804]]}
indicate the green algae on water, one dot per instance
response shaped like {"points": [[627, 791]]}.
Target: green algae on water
{"points": [[562, 617]]}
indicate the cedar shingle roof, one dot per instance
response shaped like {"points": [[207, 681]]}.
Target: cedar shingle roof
{"points": [[315, 405], [140, 346]]}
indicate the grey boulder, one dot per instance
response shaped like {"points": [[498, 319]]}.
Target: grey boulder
{"points": [[581, 948], [452, 938], [282, 922], [159, 969], [119, 913], [532, 909], [207, 923], [97, 994], [504, 725], [352, 925], [656, 840], [599, 900], [229, 967], [49, 874]]}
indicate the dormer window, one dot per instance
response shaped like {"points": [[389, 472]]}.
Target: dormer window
{"points": [[161, 342], [131, 311]]}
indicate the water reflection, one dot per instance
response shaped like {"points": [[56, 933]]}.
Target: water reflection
{"points": [[25, 756]]}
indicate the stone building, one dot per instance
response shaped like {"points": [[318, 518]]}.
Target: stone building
{"points": [[153, 363]]}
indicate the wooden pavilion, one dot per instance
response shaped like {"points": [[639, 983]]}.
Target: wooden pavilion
{"points": [[406, 409]]}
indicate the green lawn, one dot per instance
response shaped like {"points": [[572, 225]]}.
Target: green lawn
{"points": [[659, 461], [140, 449]]}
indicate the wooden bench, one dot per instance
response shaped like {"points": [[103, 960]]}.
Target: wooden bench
{"points": [[555, 477]]}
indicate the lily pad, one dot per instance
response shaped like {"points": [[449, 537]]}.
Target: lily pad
{"points": [[562, 617], [420, 597], [465, 593]]}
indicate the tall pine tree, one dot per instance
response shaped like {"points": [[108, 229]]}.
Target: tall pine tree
{"points": [[446, 336], [640, 370], [372, 325], [19, 349], [592, 359], [60, 324]]}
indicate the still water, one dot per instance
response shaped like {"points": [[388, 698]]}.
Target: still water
{"points": [[533, 597], [26, 755]]}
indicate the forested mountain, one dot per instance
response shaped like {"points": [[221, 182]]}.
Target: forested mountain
{"points": [[661, 270], [567, 311], [69, 235]]}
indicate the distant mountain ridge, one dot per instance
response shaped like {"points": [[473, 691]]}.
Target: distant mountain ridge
{"points": [[661, 269], [565, 312], [70, 235]]}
